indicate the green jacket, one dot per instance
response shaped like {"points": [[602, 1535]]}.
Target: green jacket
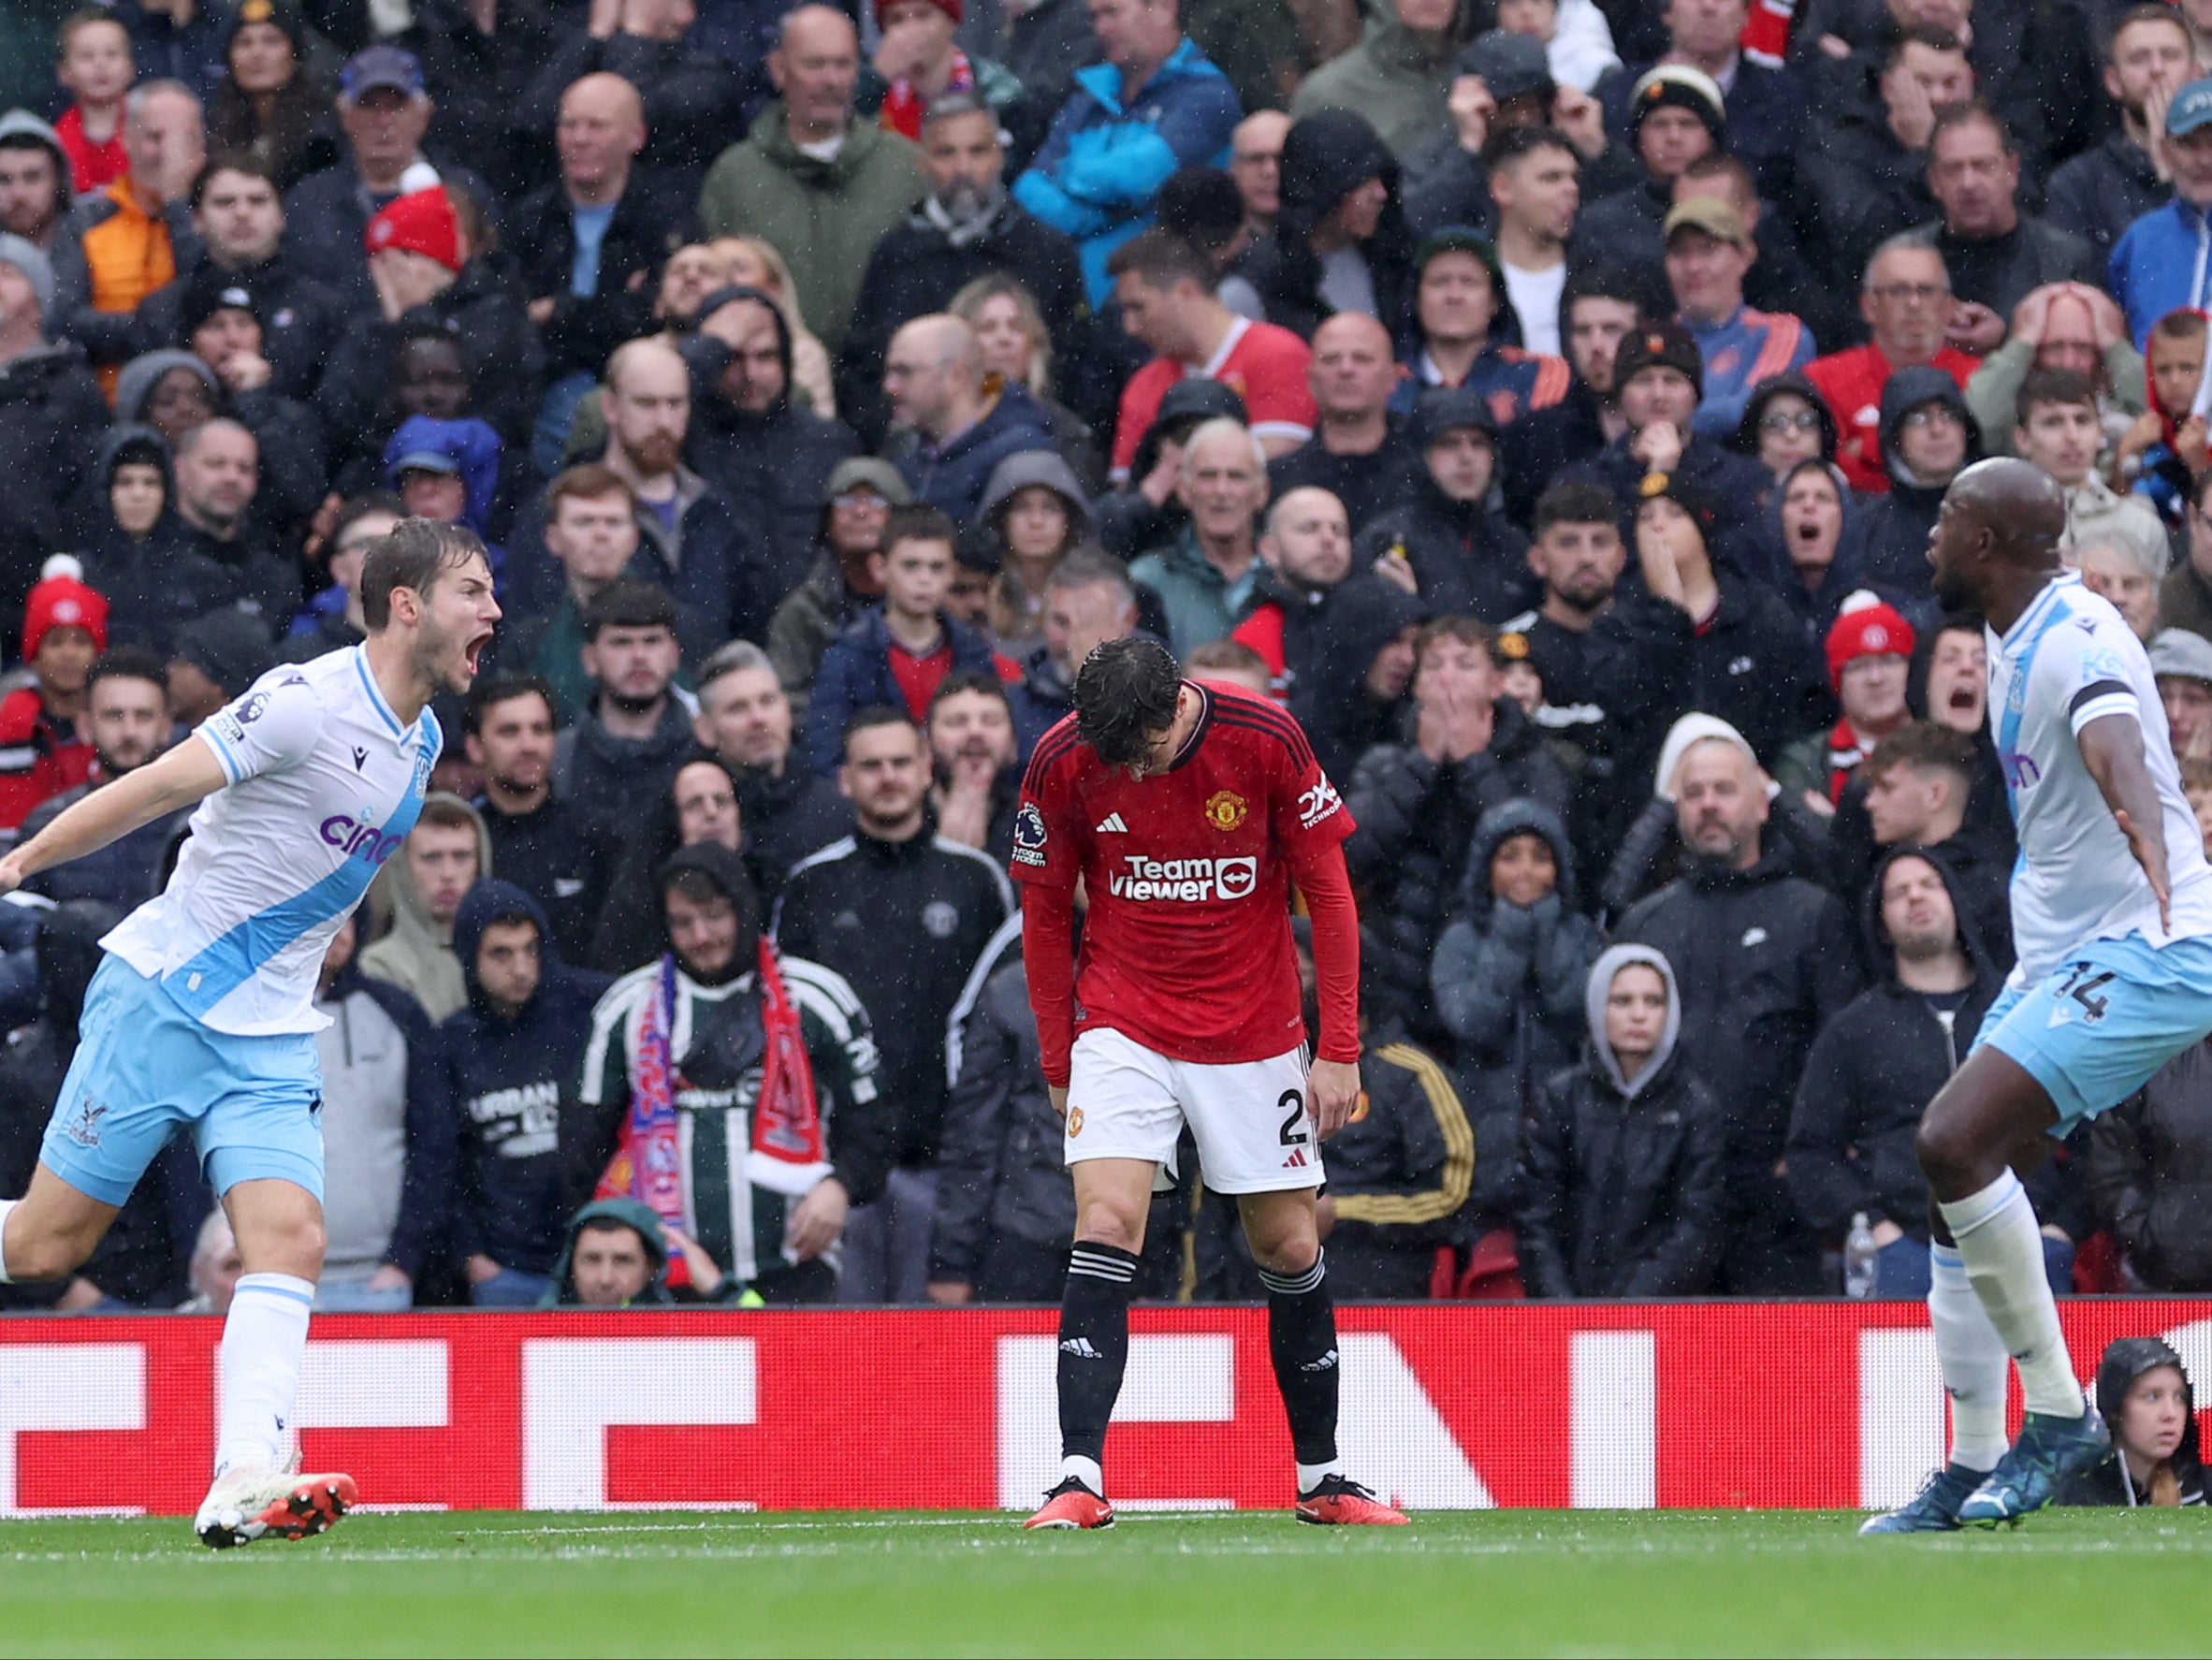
{"points": [[1202, 603], [824, 217], [1994, 392], [1393, 78]]}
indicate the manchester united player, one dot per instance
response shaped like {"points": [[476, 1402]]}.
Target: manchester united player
{"points": [[1188, 811]]}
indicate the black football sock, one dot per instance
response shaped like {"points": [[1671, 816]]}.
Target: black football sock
{"points": [[1094, 1349], [1302, 1339]]}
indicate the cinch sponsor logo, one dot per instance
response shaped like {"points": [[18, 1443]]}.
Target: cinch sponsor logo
{"points": [[1190, 881], [359, 841]]}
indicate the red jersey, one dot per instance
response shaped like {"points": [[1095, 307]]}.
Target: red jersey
{"points": [[1852, 383], [1187, 944], [92, 167], [1261, 363], [40, 757]]}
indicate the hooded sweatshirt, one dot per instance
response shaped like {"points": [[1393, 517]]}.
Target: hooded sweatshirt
{"points": [[630, 1213], [1872, 1071], [417, 955], [155, 583], [1621, 1180], [513, 1082], [1507, 982], [2109, 1481], [1898, 525], [1394, 76], [1328, 154]]}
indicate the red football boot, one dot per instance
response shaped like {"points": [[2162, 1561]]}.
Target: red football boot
{"points": [[1072, 1505], [1339, 1502]]}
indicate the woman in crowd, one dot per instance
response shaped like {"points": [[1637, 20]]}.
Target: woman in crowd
{"points": [[1033, 514], [1786, 423], [700, 804], [2144, 1393], [1018, 348], [269, 106]]}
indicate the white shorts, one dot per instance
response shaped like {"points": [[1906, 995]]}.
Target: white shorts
{"points": [[1254, 1130]]}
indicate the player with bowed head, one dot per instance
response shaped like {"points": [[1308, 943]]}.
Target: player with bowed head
{"points": [[202, 1015], [1188, 811], [2112, 917]]}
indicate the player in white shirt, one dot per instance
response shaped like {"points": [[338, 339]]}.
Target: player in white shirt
{"points": [[203, 1014], [2112, 915]]}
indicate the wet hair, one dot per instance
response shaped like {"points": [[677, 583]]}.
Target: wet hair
{"points": [[128, 662], [1162, 259], [628, 604], [412, 556], [1125, 697], [1576, 501], [499, 689], [2054, 385], [1925, 746]]}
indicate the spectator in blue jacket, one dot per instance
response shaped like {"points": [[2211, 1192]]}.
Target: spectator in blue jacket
{"points": [[2160, 262], [899, 652], [511, 1064], [1157, 104], [934, 377]]}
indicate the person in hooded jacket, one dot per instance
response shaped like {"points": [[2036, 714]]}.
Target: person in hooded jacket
{"points": [[628, 930], [1812, 545], [1876, 1066], [1928, 437], [1694, 634], [1033, 515], [1340, 241], [391, 1161], [512, 1063], [141, 1261], [750, 440], [416, 953], [1349, 683], [1461, 554], [1621, 1182], [174, 392], [1764, 960], [771, 1061], [1509, 978], [1417, 804], [2151, 1176], [629, 1269], [2145, 1394], [51, 414], [135, 550]]}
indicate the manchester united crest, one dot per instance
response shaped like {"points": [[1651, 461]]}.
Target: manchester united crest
{"points": [[1226, 810]]}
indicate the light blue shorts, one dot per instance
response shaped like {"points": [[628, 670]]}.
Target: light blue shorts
{"points": [[144, 1067], [2105, 1021]]}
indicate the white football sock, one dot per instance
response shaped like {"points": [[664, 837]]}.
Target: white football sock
{"points": [[2004, 1252], [6, 1205], [264, 1340], [1311, 1476], [1972, 1354], [1085, 1470]]}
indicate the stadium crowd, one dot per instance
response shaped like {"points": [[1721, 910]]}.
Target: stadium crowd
{"points": [[1548, 401]]}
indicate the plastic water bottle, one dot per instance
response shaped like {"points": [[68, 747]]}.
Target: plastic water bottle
{"points": [[1861, 1255]]}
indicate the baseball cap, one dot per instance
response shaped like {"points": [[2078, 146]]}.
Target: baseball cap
{"points": [[2182, 653], [2192, 108], [1710, 215], [381, 65], [1511, 66]]}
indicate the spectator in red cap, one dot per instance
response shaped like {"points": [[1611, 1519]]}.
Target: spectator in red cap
{"points": [[918, 58], [1869, 652], [42, 753]]}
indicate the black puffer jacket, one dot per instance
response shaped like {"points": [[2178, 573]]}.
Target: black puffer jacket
{"points": [[1508, 982], [652, 219], [1621, 1183], [1467, 558], [775, 465], [1416, 820], [1869, 1075], [2150, 1174], [52, 415], [1326, 156], [1763, 960], [1000, 1167]]}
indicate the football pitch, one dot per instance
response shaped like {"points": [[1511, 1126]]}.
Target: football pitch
{"points": [[1499, 1581]]}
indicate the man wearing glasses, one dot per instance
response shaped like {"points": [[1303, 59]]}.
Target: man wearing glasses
{"points": [[1906, 300]]}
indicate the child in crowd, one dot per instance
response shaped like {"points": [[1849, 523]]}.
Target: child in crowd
{"points": [[96, 68], [2165, 447], [41, 751]]}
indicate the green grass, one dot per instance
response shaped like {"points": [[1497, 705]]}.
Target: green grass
{"points": [[1492, 1583]]}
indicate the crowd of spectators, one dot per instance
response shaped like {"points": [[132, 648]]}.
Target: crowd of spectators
{"points": [[1549, 401]]}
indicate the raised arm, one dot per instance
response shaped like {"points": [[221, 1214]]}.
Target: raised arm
{"points": [[2112, 749], [177, 779]]}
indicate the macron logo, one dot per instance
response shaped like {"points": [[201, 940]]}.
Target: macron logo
{"points": [[1111, 825]]}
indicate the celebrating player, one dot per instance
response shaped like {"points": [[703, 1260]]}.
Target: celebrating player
{"points": [[1188, 811], [2112, 907], [202, 1012]]}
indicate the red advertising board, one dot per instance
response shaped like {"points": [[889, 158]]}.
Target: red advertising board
{"points": [[1444, 1406]]}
